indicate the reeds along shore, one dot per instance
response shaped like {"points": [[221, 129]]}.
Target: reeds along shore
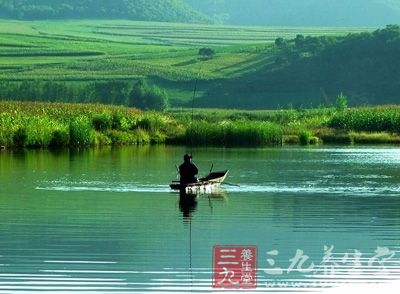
{"points": [[30, 124], [34, 124]]}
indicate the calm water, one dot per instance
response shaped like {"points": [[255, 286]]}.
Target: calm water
{"points": [[105, 221]]}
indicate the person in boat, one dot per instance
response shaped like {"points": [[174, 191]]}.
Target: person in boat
{"points": [[188, 170]]}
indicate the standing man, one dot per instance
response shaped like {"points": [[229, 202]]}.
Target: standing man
{"points": [[188, 170]]}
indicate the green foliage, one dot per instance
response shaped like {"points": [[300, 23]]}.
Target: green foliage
{"points": [[94, 61], [371, 119], [80, 131], [28, 124], [142, 95], [206, 53], [157, 10], [371, 13], [147, 97], [40, 132], [309, 69], [374, 138], [305, 137], [136, 137], [341, 102], [20, 137], [331, 136], [240, 133], [280, 42], [101, 139], [102, 122], [60, 138]]}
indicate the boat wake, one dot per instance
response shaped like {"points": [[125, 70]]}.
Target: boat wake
{"points": [[64, 186], [276, 188], [311, 189]]}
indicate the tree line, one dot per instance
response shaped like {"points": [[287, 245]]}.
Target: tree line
{"points": [[365, 66], [155, 10], [301, 12], [311, 71], [140, 94]]}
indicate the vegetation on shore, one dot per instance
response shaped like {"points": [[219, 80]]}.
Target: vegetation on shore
{"points": [[107, 62], [34, 124]]}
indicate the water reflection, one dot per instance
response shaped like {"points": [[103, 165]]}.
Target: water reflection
{"points": [[187, 205]]}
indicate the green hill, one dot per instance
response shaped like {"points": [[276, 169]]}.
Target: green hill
{"points": [[101, 60], [302, 13], [154, 10], [313, 71]]}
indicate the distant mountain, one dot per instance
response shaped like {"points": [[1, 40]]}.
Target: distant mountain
{"points": [[302, 12], [151, 10]]}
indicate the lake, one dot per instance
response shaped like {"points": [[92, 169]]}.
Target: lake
{"points": [[105, 221]]}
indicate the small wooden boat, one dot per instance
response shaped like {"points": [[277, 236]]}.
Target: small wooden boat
{"points": [[204, 185]]}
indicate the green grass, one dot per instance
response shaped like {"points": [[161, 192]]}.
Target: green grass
{"points": [[228, 133], [372, 119], [288, 126], [33, 124], [28, 124]]}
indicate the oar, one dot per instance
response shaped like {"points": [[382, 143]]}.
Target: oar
{"points": [[177, 171]]}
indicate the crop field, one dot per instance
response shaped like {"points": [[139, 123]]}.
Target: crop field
{"points": [[96, 50]]}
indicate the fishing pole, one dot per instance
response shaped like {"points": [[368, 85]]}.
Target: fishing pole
{"points": [[192, 117], [212, 166]]}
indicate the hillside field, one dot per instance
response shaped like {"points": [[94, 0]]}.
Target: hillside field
{"points": [[82, 51]]}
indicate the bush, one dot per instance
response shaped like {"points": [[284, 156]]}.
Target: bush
{"points": [[6, 137], [368, 119], [141, 136], [332, 137], [291, 139], [60, 138], [102, 122], [206, 52], [20, 137], [146, 123], [227, 133], [341, 102], [144, 96], [33, 124], [132, 138], [80, 132], [39, 133], [373, 138], [305, 137], [102, 139]]}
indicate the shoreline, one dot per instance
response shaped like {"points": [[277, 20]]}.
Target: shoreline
{"points": [[55, 125]]}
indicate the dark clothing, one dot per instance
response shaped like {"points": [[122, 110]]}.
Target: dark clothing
{"points": [[188, 171]]}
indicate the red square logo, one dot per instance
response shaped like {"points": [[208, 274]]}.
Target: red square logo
{"points": [[234, 267]]}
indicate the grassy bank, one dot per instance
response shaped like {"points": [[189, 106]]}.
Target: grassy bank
{"points": [[33, 124], [363, 125], [28, 124]]}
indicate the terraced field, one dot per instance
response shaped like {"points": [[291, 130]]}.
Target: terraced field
{"points": [[82, 51]]}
